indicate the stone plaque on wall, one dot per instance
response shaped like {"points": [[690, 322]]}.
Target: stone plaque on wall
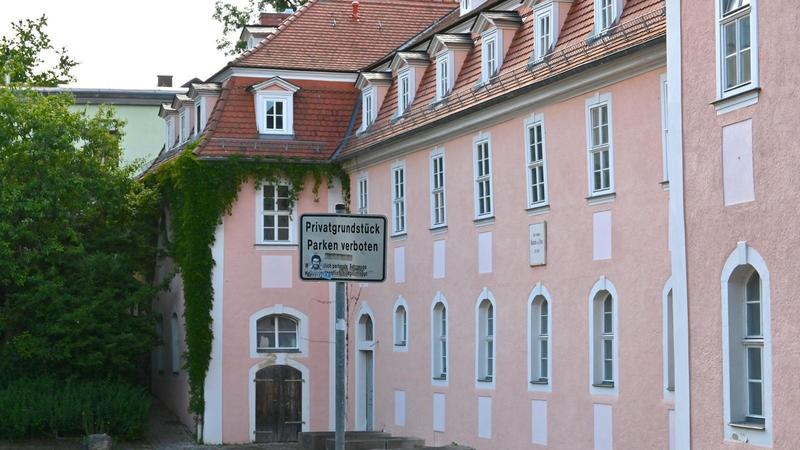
{"points": [[537, 239]]}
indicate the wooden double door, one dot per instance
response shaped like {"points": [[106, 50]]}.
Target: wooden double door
{"points": [[279, 402]]}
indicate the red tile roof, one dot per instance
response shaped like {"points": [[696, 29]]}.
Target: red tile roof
{"points": [[323, 36], [642, 21]]}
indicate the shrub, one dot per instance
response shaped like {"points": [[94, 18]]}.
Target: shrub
{"points": [[36, 407]]}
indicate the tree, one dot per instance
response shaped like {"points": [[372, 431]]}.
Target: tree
{"points": [[76, 242], [23, 54], [233, 18]]}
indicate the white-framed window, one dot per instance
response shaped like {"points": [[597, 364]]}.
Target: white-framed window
{"points": [[363, 194], [600, 145], [539, 341], [170, 133], [438, 207], [543, 32], [275, 333], [399, 198], [491, 58], [444, 74], [175, 340], [535, 156], [366, 331], [275, 219], [183, 121], [368, 110], [485, 342], [400, 325], [405, 90], [439, 339], [747, 362], [465, 6], [482, 158], [664, 128], [603, 364], [606, 12], [198, 116], [669, 343], [737, 46], [275, 112]]}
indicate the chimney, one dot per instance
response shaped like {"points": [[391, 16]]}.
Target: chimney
{"points": [[164, 80], [356, 17]]}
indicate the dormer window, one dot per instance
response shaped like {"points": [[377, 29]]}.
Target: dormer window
{"points": [[184, 125], [490, 61], [198, 113], [170, 133], [543, 32], [368, 110], [275, 107], [444, 75], [405, 94], [606, 12]]}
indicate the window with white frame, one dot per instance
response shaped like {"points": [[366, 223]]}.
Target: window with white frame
{"points": [[198, 110], [543, 32], [368, 111], [276, 332], [745, 322], [485, 343], [438, 210], [170, 133], [363, 195], [600, 152], [490, 54], [276, 216], [399, 199], [483, 179], [404, 91], [664, 128], [604, 322], [366, 331], [176, 343], [540, 340], [535, 155], [400, 326], [444, 75], [184, 124], [669, 382], [439, 325], [605, 14], [737, 39], [275, 112]]}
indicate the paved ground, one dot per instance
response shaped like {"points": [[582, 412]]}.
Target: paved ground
{"points": [[164, 432]]}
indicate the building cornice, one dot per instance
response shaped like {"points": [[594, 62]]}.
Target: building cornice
{"points": [[286, 74]]}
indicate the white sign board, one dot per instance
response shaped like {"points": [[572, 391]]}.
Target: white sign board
{"points": [[537, 237], [338, 247]]}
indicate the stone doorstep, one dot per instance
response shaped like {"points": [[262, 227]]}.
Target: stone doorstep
{"points": [[378, 443], [316, 440]]}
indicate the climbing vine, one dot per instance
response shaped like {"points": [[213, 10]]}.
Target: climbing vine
{"points": [[197, 193]]}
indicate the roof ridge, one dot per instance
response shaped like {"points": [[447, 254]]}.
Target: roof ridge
{"points": [[285, 23]]}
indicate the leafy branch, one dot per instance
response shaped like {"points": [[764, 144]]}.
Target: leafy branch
{"points": [[22, 56], [234, 17]]}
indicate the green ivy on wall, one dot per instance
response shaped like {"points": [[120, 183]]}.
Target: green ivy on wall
{"points": [[198, 193]]}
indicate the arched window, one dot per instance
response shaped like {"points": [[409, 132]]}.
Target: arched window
{"points": [[485, 344], [400, 325], [540, 340], [276, 332], [176, 344], [603, 343], [669, 344], [365, 325], [439, 350]]}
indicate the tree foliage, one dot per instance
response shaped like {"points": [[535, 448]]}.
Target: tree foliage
{"points": [[76, 239], [23, 54], [234, 17]]}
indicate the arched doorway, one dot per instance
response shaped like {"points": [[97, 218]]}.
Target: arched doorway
{"points": [[278, 405]]}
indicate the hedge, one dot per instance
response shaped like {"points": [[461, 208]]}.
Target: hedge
{"points": [[48, 407]]}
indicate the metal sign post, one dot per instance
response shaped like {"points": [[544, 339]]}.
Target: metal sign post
{"points": [[341, 248]]}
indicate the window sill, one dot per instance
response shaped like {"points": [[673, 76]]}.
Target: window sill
{"points": [[486, 380], [439, 378], [399, 236], [603, 385], [748, 425], [438, 229], [670, 389], [738, 100], [601, 199], [282, 135], [664, 184], [483, 221], [537, 210], [277, 350], [275, 245], [540, 382]]}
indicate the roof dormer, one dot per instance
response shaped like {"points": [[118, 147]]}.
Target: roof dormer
{"points": [[497, 30], [548, 19], [205, 97], [408, 68], [168, 113], [184, 106], [468, 5], [606, 14], [373, 87], [274, 102], [449, 51]]}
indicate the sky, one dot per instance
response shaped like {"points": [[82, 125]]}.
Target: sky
{"points": [[125, 44]]}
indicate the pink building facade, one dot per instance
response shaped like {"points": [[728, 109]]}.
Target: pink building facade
{"points": [[569, 265]]}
